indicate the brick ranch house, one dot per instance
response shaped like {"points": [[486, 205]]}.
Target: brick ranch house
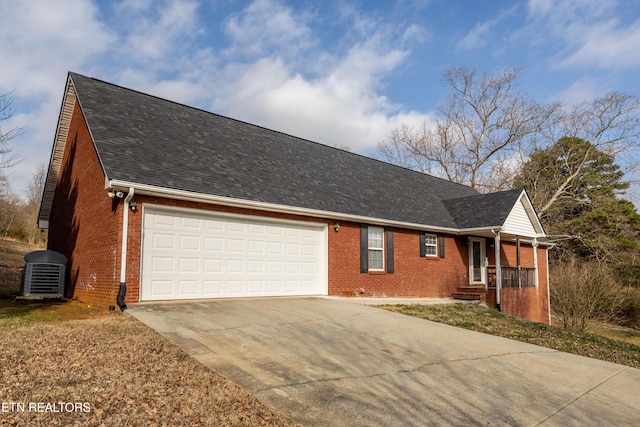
{"points": [[153, 200]]}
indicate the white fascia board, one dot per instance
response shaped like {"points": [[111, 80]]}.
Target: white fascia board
{"points": [[57, 152], [150, 190]]}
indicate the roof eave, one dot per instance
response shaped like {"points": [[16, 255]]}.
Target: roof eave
{"points": [[150, 190], [57, 153]]}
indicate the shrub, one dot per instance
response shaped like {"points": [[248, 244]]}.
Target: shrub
{"points": [[584, 294]]}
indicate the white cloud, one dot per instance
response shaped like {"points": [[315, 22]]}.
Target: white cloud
{"points": [[478, 36], [582, 33], [265, 25], [608, 46], [341, 107], [482, 33], [156, 31], [40, 41], [272, 71], [416, 34], [581, 90]]}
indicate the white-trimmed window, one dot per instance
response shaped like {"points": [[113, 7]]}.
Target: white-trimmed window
{"points": [[376, 248], [431, 245]]}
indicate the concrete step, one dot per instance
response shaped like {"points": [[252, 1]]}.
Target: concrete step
{"points": [[469, 293]]}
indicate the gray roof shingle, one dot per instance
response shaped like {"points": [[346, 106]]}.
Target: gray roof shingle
{"points": [[148, 140], [482, 210]]}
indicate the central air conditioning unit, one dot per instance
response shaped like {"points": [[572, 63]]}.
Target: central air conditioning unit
{"points": [[44, 274]]}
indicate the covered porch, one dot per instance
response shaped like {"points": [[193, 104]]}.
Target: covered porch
{"points": [[505, 271]]}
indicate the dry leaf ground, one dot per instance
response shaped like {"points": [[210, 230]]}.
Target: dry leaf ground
{"points": [[109, 369]]}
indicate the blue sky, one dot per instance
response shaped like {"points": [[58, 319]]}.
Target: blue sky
{"points": [[342, 73]]}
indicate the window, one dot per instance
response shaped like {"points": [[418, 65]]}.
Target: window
{"points": [[376, 248], [431, 245]]}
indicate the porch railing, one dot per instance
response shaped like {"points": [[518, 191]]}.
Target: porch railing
{"points": [[512, 277]]}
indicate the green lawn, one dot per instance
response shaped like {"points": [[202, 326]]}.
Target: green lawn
{"points": [[489, 321]]}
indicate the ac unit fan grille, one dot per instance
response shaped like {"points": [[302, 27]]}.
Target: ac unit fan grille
{"points": [[44, 279]]}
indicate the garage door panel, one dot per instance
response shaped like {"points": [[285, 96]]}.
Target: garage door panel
{"points": [[162, 264], [194, 254], [188, 287], [164, 241], [213, 244], [189, 265], [212, 288], [274, 248], [188, 222], [256, 247], [234, 287], [235, 226], [161, 288], [235, 245], [190, 242]]}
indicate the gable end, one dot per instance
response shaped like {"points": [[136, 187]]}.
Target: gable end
{"points": [[522, 220]]}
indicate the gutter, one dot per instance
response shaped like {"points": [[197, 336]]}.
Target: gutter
{"points": [[123, 259], [151, 190]]}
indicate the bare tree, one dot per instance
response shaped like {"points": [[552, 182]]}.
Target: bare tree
{"points": [[33, 194], [611, 124], [477, 133], [6, 112], [399, 150]]}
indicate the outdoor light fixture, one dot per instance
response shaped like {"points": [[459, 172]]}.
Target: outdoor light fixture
{"points": [[336, 226], [118, 194], [111, 194], [133, 205]]}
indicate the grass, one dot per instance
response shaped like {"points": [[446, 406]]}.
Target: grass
{"points": [[489, 321], [118, 370], [15, 313]]}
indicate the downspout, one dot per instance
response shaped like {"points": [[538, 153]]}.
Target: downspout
{"points": [[498, 268], [123, 259]]}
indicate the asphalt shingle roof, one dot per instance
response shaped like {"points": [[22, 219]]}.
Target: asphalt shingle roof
{"points": [[482, 210], [149, 140]]}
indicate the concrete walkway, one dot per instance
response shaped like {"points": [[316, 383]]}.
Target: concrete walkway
{"points": [[327, 362]]}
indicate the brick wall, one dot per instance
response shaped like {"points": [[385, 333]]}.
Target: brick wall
{"points": [[413, 276], [526, 303], [84, 224]]}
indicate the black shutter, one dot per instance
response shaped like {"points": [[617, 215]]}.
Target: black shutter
{"points": [[423, 248], [364, 248], [389, 250], [441, 245]]}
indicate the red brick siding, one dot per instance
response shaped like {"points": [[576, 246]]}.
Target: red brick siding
{"points": [[526, 303], [83, 225], [413, 275]]}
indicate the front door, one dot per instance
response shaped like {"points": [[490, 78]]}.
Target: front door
{"points": [[477, 270]]}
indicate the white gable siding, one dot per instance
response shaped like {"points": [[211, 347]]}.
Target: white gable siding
{"points": [[518, 222]]}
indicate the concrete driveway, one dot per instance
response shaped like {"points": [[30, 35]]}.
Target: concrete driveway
{"points": [[329, 362]]}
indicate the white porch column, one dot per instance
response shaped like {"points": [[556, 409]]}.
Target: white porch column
{"points": [[498, 269], [535, 261]]}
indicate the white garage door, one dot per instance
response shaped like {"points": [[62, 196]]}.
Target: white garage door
{"points": [[189, 254]]}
